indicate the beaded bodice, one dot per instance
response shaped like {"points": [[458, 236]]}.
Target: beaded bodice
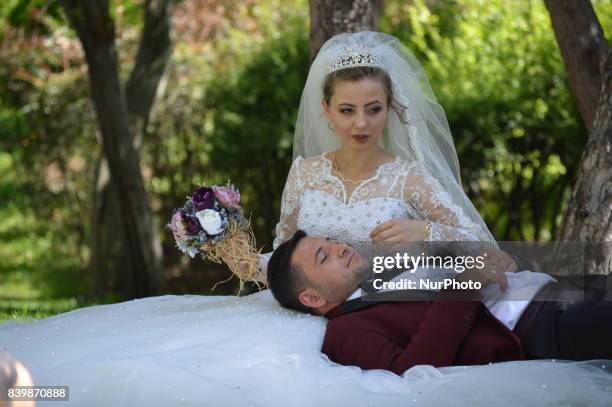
{"points": [[316, 201]]}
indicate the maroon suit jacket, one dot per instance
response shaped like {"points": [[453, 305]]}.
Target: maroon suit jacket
{"points": [[398, 335]]}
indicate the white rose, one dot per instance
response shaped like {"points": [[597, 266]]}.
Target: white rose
{"points": [[210, 221]]}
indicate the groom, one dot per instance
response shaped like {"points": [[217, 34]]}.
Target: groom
{"points": [[311, 274]]}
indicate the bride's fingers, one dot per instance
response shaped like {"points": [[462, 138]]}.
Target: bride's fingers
{"points": [[505, 261], [503, 282], [511, 265], [497, 275], [381, 228], [384, 234]]}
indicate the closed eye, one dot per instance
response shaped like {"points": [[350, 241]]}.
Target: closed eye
{"points": [[327, 239]]}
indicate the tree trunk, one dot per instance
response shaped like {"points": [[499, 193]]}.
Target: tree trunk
{"points": [[96, 31], [331, 17], [153, 55], [583, 47], [586, 225], [588, 217], [110, 261]]}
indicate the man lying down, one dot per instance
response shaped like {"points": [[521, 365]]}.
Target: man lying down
{"points": [[317, 276]]}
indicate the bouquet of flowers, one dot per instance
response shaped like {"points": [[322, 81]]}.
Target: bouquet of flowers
{"points": [[212, 224]]}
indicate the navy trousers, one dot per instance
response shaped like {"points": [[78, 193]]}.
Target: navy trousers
{"points": [[579, 330]]}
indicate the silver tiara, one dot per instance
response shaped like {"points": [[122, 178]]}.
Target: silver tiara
{"points": [[355, 55]]}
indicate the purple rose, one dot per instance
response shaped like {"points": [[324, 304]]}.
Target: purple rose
{"points": [[227, 197], [203, 198], [193, 225]]}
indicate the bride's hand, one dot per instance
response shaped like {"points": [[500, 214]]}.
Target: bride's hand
{"points": [[485, 276], [496, 264], [399, 230], [499, 259]]}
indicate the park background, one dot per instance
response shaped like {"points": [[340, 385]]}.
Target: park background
{"points": [[224, 109]]}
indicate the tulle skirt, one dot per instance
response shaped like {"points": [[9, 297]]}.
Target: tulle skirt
{"points": [[248, 351]]}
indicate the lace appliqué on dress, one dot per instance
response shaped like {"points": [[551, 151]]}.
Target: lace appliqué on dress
{"points": [[426, 195], [316, 201]]}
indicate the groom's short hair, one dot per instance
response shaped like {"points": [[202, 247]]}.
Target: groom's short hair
{"points": [[287, 280]]}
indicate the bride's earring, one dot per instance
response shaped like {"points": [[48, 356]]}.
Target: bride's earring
{"points": [[330, 125]]}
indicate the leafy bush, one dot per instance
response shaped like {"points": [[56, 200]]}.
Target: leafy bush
{"points": [[227, 108], [495, 67]]}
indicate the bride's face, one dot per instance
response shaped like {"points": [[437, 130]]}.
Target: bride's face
{"points": [[358, 112]]}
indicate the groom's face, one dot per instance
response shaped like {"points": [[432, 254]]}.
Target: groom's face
{"points": [[334, 270]]}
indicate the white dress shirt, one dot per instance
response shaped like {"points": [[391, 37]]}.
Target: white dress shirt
{"points": [[505, 306]]}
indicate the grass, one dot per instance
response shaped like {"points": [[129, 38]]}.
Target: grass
{"points": [[44, 257], [13, 310], [42, 270]]}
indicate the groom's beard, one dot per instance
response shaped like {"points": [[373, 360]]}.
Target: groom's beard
{"points": [[364, 273], [340, 293]]}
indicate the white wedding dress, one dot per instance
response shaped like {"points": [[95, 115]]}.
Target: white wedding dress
{"points": [[248, 351]]}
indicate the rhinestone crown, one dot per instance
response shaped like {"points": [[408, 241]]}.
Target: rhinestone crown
{"points": [[355, 55]]}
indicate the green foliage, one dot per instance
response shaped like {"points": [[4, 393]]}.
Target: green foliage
{"points": [[254, 117], [34, 16], [48, 127], [46, 140], [496, 70], [226, 110], [39, 257], [234, 122]]}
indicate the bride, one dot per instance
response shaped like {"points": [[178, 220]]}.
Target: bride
{"points": [[374, 163]]}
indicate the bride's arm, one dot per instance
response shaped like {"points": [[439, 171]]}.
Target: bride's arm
{"points": [[448, 221], [290, 204]]}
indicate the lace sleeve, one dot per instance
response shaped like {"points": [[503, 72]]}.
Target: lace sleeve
{"points": [[290, 205], [425, 194]]}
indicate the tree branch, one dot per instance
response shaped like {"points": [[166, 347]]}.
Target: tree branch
{"points": [[152, 58], [583, 47]]}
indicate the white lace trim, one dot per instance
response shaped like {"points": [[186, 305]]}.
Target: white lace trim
{"points": [[397, 189]]}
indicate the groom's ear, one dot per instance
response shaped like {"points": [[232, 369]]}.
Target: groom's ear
{"points": [[311, 298]]}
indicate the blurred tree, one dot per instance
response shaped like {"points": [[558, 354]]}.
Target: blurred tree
{"points": [[111, 260], [588, 59], [329, 17], [94, 25]]}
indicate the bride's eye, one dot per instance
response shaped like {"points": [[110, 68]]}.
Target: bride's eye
{"points": [[346, 111], [376, 110]]}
